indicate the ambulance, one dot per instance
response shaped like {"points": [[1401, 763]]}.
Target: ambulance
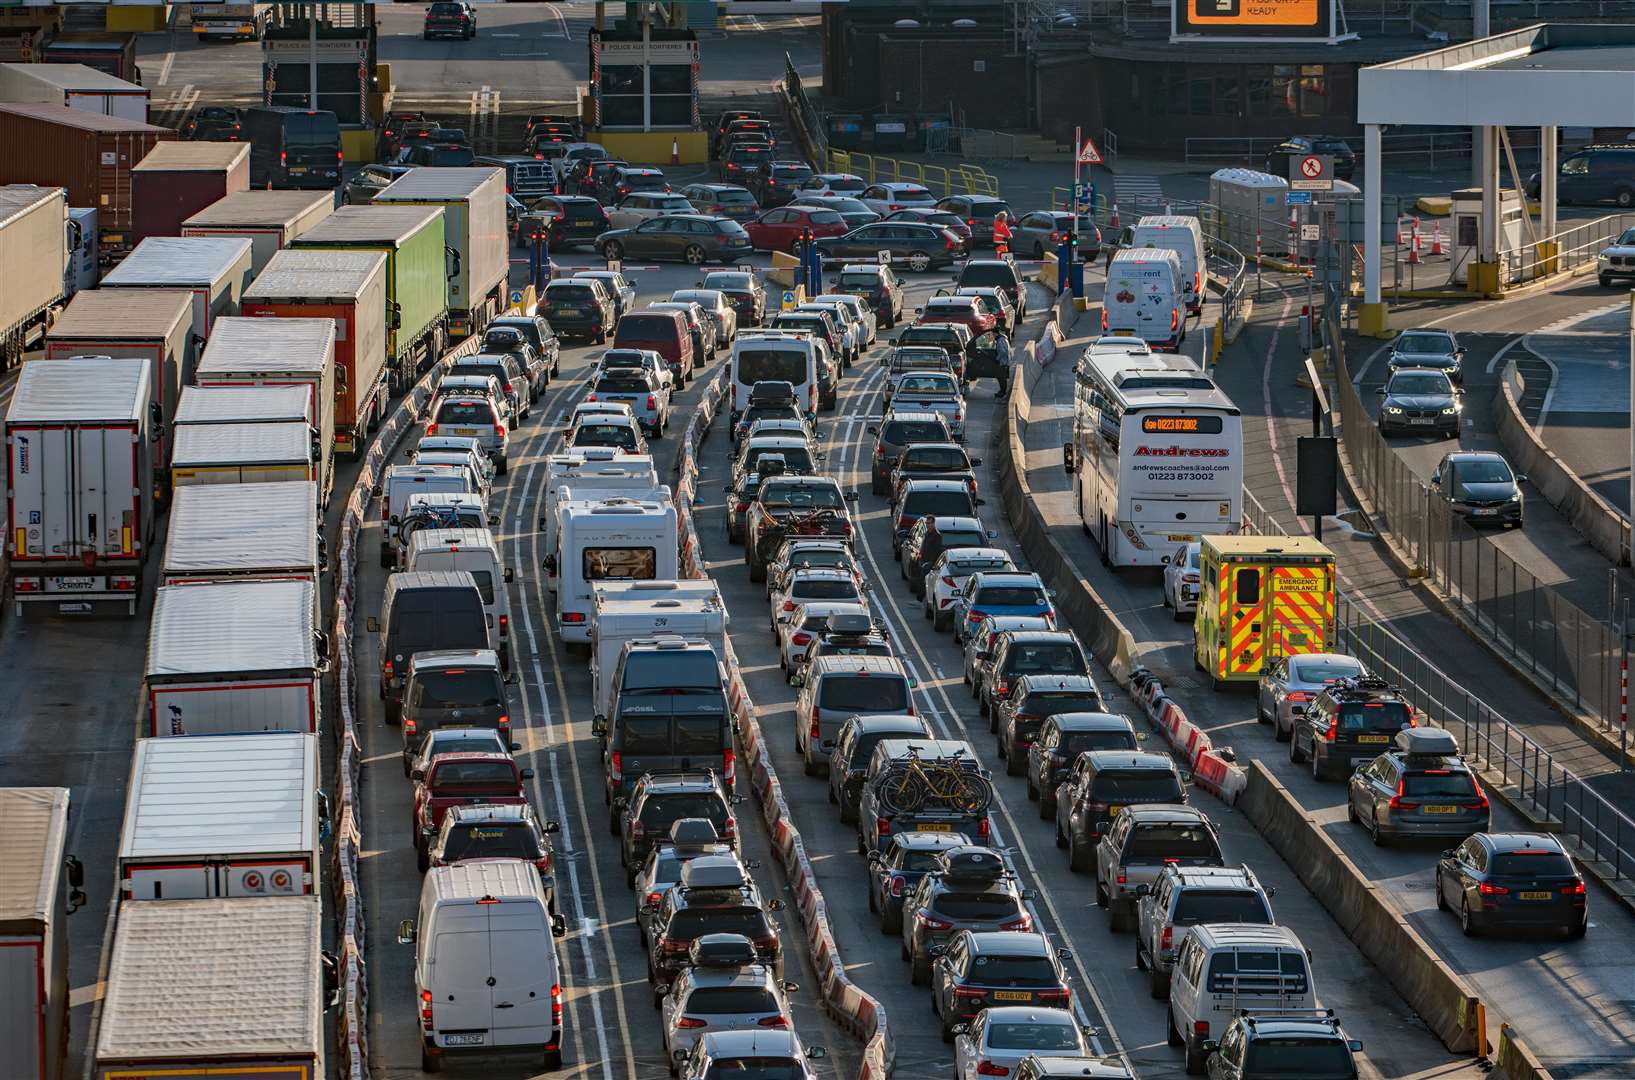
{"points": [[1261, 597]]}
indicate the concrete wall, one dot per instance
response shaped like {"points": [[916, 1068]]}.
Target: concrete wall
{"points": [[1598, 520]]}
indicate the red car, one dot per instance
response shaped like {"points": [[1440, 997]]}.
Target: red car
{"points": [[966, 310], [459, 779], [777, 230]]}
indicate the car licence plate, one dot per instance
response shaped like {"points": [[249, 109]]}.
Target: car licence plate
{"points": [[1112, 812], [1483, 510], [297, 170], [1373, 738], [1535, 896], [568, 311], [1012, 995], [466, 431], [934, 826], [464, 1040], [1421, 419], [70, 584], [1440, 809]]}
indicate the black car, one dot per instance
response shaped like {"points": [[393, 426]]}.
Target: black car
{"points": [[921, 247], [1416, 401], [1279, 1045], [932, 535], [779, 181], [1505, 881], [1035, 699], [788, 506], [584, 176], [579, 307], [849, 762], [1000, 273], [895, 873], [1596, 174], [1062, 738], [659, 801], [568, 220], [438, 154], [1349, 723], [1481, 487], [878, 286], [742, 290], [450, 18], [215, 123], [715, 896], [1278, 160]]}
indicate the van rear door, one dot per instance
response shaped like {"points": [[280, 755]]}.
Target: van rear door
{"points": [[456, 974], [522, 963]]}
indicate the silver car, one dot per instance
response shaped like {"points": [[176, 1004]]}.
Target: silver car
{"points": [[1287, 686], [860, 311], [715, 305], [621, 288], [649, 399], [723, 994], [1142, 841], [1001, 1037]]}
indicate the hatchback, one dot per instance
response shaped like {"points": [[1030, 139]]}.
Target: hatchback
{"points": [[895, 872], [1512, 881], [568, 220], [971, 889], [1002, 1038], [579, 307], [988, 594], [1480, 487], [715, 896], [689, 838], [478, 417], [722, 200], [946, 576], [1032, 700], [886, 199], [918, 498], [649, 400], [725, 989], [995, 968], [1348, 723]]}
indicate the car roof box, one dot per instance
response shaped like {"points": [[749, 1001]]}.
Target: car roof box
{"points": [[851, 623], [713, 872], [1427, 742], [721, 950], [971, 864], [693, 832], [771, 392]]}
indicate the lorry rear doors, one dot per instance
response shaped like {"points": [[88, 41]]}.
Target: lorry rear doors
{"points": [[74, 494]]}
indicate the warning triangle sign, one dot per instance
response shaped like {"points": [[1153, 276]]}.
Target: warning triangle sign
{"points": [[1088, 154]]}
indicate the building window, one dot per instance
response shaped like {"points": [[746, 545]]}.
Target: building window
{"points": [[1313, 90], [1342, 90], [672, 87]]}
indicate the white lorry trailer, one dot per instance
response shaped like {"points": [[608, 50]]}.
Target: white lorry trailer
{"points": [[41, 890], [234, 657], [270, 220], [35, 250], [244, 453], [474, 225], [215, 269], [80, 516], [624, 611], [279, 352], [222, 815], [609, 539], [233, 532], [77, 86], [221, 989], [245, 405]]}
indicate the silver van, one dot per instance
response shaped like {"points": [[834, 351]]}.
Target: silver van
{"points": [[840, 687], [485, 966], [1224, 969]]}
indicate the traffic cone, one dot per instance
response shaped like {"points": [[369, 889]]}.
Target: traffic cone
{"points": [[1413, 246], [1113, 221], [675, 151], [1436, 238]]}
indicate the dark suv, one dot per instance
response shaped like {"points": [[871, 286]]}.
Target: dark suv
{"points": [[450, 18], [1297, 146], [658, 801], [1062, 738], [1029, 652], [715, 896], [1034, 699], [896, 433], [1101, 783], [971, 889], [895, 873], [1349, 723], [933, 535], [1596, 174], [1000, 273], [1261, 1046]]}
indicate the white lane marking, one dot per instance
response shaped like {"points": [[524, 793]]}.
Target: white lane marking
{"points": [[1493, 364], [852, 424], [164, 72], [1555, 381], [1266, 399], [561, 21]]}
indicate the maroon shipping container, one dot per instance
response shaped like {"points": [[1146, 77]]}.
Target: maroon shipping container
{"points": [[178, 179], [112, 53], [89, 154]]}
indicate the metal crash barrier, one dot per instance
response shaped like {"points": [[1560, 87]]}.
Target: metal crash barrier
{"points": [[961, 179]]}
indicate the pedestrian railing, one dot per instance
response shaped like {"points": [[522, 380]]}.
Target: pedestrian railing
{"points": [[1564, 251], [961, 179]]}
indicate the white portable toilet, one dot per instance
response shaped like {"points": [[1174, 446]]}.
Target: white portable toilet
{"points": [[1252, 202], [1467, 230]]}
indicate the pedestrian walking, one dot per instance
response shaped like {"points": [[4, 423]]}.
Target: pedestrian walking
{"points": [[1003, 361], [1001, 233]]}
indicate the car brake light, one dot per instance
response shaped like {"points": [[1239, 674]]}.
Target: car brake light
{"points": [[802, 638], [727, 760], [897, 885], [386, 669], [283, 158], [409, 725], [964, 993], [653, 898], [1200, 1028], [425, 1009], [615, 765], [1001, 687], [1481, 796], [1166, 938], [652, 402], [946, 580], [814, 731], [1174, 319], [1333, 730], [504, 722], [505, 625], [1022, 923], [780, 1022], [931, 922], [882, 826], [691, 1022], [499, 431], [573, 616], [1396, 802], [508, 389], [982, 827], [1487, 889], [1123, 878], [894, 206], [1575, 889], [1298, 697], [988, 1068]]}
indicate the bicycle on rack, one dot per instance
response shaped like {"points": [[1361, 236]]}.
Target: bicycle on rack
{"points": [[915, 783]]}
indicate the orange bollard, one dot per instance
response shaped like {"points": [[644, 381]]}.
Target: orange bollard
{"points": [[675, 151]]}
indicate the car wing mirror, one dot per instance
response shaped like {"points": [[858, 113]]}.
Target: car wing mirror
{"points": [[527, 774], [1143, 890], [559, 926], [510, 575], [1209, 1046], [798, 679], [791, 987], [1355, 1045], [514, 747], [1102, 826], [406, 932], [981, 502], [976, 463], [1380, 391], [816, 1053], [1030, 894], [1069, 464], [1064, 954], [960, 1029], [373, 624], [1521, 478], [774, 905], [598, 726]]}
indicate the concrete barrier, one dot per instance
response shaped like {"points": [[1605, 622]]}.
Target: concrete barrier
{"points": [[1598, 520], [1443, 999], [1514, 1060]]}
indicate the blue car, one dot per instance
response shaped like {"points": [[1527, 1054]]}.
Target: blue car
{"points": [[1002, 592]]}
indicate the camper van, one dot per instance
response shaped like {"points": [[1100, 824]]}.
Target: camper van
{"points": [[611, 539]]}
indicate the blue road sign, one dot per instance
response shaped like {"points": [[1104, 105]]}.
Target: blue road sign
{"points": [[1299, 198], [516, 296]]}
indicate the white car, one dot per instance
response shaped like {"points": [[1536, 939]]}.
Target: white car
{"points": [[648, 398], [831, 183], [857, 335], [746, 998], [1617, 261], [454, 444], [802, 551], [587, 409], [474, 463], [980, 642], [1181, 581], [646, 359], [860, 311], [999, 1038], [622, 432], [949, 572], [886, 199], [810, 584], [798, 629], [640, 206], [474, 386]]}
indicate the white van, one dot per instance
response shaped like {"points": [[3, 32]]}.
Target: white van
{"points": [[485, 967], [1224, 969], [1184, 235], [614, 539], [774, 356], [401, 483], [1146, 298], [475, 551]]}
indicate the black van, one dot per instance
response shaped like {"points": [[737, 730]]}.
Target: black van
{"points": [[424, 611], [669, 714], [293, 148]]}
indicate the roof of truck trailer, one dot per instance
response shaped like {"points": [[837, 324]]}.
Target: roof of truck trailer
{"points": [[217, 794], [75, 77], [439, 183], [244, 344], [243, 404], [16, 198], [224, 627], [201, 445], [369, 225], [315, 274], [84, 388], [84, 119], [217, 528], [226, 978], [257, 207], [170, 261], [109, 314], [31, 850], [193, 157]]}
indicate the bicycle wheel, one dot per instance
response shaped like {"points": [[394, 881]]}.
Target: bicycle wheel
{"points": [[970, 794]]}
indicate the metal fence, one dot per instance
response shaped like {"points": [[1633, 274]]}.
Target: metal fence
{"points": [[1418, 146], [1568, 249], [961, 179]]}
